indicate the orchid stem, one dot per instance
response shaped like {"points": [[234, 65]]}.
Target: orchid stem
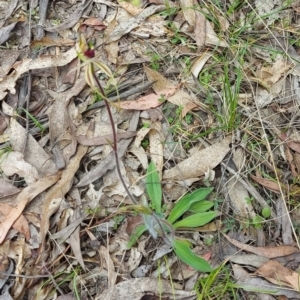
{"points": [[114, 133]]}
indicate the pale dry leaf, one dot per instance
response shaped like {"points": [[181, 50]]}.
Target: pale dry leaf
{"points": [[7, 189], [271, 74], [267, 183], [199, 64], [188, 11], [112, 183], [14, 163], [6, 32], [54, 196], [8, 82], [108, 265], [21, 224], [276, 273], [156, 147], [284, 222], [269, 252], [104, 140], [211, 37], [108, 162], [135, 289], [238, 195], [126, 27], [112, 50], [34, 154], [140, 153], [7, 8], [59, 120], [147, 102], [247, 282], [27, 194], [74, 239], [200, 29], [133, 10], [72, 20], [7, 59], [48, 41], [197, 164], [248, 259], [180, 97]]}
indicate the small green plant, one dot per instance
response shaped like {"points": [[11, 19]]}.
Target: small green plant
{"points": [[216, 285], [155, 59], [192, 204]]}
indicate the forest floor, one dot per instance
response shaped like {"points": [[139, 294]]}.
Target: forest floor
{"points": [[149, 149]]}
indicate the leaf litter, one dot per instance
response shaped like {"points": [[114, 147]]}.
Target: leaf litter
{"points": [[59, 190]]}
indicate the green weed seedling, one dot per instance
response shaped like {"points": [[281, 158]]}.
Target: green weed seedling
{"points": [[165, 226]]}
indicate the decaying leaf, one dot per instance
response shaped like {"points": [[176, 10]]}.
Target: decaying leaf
{"points": [[6, 32], [270, 252], [54, 196], [238, 194], [126, 27], [8, 82], [147, 102], [156, 147], [179, 97], [276, 273], [24, 198], [34, 154], [21, 224], [267, 183], [73, 20], [7, 189], [247, 282], [135, 289], [197, 164], [14, 163]]}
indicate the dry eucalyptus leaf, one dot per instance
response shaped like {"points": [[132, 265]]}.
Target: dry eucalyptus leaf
{"points": [[73, 19], [179, 97], [238, 195], [270, 252], [6, 32], [54, 196], [188, 11], [34, 154], [135, 289], [8, 82], [7, 189], [276, 273], [14, 163], [23, 198], [156, 147], [197, 164], [247, 282], [126, 27]]}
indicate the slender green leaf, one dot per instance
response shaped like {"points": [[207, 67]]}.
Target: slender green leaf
{"points": [[202, 206], [153, 187], [185, 202], [138, 231], [34, 120], [184, 252], [196, 220]]}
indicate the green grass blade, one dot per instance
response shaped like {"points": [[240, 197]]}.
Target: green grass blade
{"points": [[200, 207], [138, 231], [185, 202], [196, 220], [153, 187], [184, 252]]}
